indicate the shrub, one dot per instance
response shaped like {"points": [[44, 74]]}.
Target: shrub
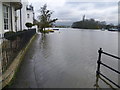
{"points": [[10, 35], [28, 25], [33, 24]]}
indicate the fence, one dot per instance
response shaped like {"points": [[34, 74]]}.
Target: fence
{"points": [[100, 63], [10, 49]]}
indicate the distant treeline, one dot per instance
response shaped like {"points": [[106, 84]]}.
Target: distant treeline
{"points": [[91, 24]]}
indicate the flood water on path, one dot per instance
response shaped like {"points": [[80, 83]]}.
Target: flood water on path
{"points": [[67, 59]]}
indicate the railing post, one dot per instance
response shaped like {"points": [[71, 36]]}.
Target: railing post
{"points": [[99, 61]]}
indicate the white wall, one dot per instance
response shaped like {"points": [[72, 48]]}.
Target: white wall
{"points": [[1, 24], [1, 19], [30, 19], [23, 12], [2, 31], [24, 15], [13, 18], [31, 16], [18, 20]]}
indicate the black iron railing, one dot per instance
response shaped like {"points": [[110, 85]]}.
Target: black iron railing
{"points": [[100, 51]]}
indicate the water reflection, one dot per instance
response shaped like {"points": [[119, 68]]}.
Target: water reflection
{"points": [[97, 86]]}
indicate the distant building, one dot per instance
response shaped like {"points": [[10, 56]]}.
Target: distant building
{"points": [[27, 15], [83, 18]]}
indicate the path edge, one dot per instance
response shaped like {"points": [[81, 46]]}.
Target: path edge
{"points": [[8, 76]]}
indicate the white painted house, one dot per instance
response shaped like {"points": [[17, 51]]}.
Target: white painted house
{"points": [[14, 14], [8, 19], [27, 15]]}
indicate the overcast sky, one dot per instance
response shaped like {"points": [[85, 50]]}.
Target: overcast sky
{"points": [[69, 11]]}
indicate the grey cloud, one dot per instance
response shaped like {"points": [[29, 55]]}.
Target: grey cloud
{"points": [[73, 11]]}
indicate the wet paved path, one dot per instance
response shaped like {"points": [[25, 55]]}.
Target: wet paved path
{"points": [[56, 61], [38, 72]]}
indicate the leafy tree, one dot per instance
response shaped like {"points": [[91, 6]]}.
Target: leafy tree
{"points": [[45, 18]]}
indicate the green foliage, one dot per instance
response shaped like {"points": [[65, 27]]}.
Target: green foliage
{"points": [[10, 35], [33, 24], [46, 31], [45, 18], [29, 25]]}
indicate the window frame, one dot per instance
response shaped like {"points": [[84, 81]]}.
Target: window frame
{"points": [[6, 17], [28, 15]]}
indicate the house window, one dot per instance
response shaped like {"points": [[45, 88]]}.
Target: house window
{"points": [[6, 17], [28, 15]]}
